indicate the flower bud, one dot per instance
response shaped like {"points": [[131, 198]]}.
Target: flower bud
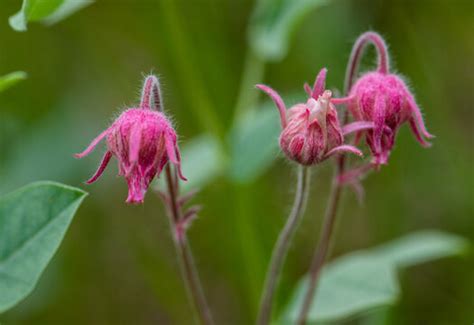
{"points": [[310, 132], [143, 141], [385, 100]]}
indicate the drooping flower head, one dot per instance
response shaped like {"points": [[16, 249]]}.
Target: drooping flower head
{"points": [[384, 99], [143, 141], [310, 131]]}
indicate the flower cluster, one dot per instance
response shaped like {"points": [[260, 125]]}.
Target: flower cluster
{"points": [[143, 141]]}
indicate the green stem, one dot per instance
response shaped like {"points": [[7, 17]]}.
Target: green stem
{"points": [[282, 245]]}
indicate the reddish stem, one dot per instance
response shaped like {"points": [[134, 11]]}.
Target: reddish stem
{"points": [[356, 54], [188, 268]]}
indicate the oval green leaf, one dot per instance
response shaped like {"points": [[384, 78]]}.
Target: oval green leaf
{"points": [[33, 222], [365, 280]]}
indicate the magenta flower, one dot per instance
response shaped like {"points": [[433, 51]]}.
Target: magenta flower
{"points": [[143, 141], [384, 99], [311, 131]]}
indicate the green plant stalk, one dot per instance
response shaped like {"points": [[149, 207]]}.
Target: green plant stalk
{"points": [[282, 245], [185, 256], [322, 249]]}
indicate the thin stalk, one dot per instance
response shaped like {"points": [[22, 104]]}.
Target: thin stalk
{"points": [[356, 54], [322, 249], [282, 245], [188, 268]]}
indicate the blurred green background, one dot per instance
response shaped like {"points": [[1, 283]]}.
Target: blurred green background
{"points": [[117, 263]]}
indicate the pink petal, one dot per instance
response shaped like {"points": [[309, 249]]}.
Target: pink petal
{"points": [[357, 126], [173, 153], [308, 89], [319, 83], [379, 121], [178, 165], [170, 141], [345, 148], [343, 100], [134, 143], [417, 117], [102, 166], [417, 134], [93, 144], [296, 145], [278, 102]]}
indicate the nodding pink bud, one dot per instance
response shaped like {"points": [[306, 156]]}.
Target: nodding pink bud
{"points": [[311, 131], [385, 100], [143, 141]]}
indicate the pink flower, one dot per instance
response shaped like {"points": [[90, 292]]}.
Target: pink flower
{"points": [[384, 99], [311, 131], [143, 141]]}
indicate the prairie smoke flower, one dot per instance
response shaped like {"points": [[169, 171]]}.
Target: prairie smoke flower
{"points": [[384, 99], [311, 132], [143, 141]]}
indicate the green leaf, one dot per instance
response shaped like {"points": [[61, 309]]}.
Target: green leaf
{"points": [[254, 144], [365, 280], [273, 23], [33, 221], [11, 79], [46, 11], [421, 247]]}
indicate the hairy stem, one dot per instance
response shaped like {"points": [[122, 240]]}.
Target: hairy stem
{"points": [[280, 250], [188, 268], [322, 249], [356, 54]]}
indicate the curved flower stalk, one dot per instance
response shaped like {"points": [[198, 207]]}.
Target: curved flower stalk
{"points": [[144, 141], [311, 133], [383, 98], [382, 101]]}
